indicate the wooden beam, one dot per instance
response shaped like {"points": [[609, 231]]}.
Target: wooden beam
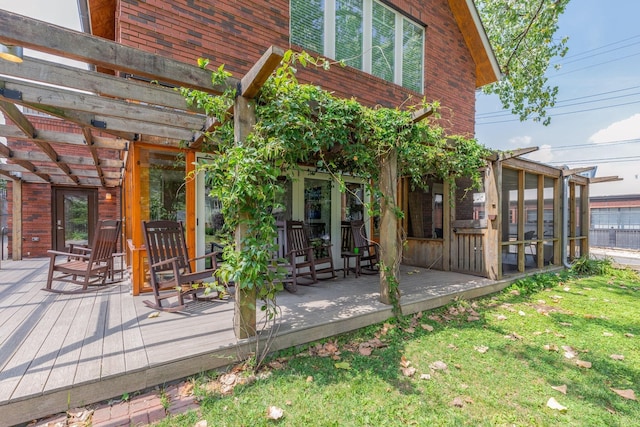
{"points": [[421, 114], [16, 116], [126, 129], [94, 153], [258, 74], [78, 101], [45, 37], [505, 155], [604, 179], [575, 171], [14, 132], [98, 83], [11, 168]]}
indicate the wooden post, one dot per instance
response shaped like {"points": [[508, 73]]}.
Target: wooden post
{"points": [[388, 222], [447, 236], [16, 242], [245, 302], [492, 248]]}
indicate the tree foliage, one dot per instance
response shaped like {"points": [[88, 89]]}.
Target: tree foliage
{"points": [[522, 33]]}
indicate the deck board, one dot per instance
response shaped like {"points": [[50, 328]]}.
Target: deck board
{"points": [[59, 350]]}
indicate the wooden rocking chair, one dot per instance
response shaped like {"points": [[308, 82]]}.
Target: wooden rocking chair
{"points": [[367, 250], [304, 254], [283, 262], [91, 266], [170, 267]]}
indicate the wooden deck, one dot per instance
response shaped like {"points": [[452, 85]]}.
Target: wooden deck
{"points": [[60, 350]]}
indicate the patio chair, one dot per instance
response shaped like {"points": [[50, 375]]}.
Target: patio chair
{"points": [[87, 266], [369, 257], [283, 260], [309, 261], [170, 270], [346, 250]]}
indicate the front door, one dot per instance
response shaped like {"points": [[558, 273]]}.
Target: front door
{"points": [[74, 214]]}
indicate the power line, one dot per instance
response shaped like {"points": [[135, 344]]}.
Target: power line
{"points": [[598, 161], [566, 113], [595, 144], [508, 113]]}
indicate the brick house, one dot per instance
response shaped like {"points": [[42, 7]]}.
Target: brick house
{"points": [[113, 153]]}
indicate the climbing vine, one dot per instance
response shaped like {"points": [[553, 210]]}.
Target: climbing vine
{"points": [[301, 124]]}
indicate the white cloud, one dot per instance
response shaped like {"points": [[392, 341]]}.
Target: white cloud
{"points": [[521, 141], [543, 154], [619, 131]]}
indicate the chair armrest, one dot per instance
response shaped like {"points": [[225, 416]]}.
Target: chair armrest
{"points": [[54, 254], [170, 261], [210, 255]]}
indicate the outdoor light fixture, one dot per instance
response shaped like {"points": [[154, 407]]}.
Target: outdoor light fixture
{"points": [[11, 53], [107, 196]]}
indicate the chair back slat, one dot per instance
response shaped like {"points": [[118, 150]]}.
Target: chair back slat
{"points": [[346, 237], [297, 237], [165, 240], [104, 242]]}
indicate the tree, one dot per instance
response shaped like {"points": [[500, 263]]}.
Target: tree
{"points": [[522, 35]]}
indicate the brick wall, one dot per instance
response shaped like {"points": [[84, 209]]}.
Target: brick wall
{"points": [[238, 33]]}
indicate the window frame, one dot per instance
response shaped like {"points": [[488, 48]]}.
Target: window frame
{"points": [[329, 39]]}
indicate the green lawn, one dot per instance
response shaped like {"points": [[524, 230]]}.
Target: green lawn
{"points": [[488, 362]]}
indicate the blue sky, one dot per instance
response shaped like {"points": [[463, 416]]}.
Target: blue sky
{"points": [[596, 121], [597, 118]]}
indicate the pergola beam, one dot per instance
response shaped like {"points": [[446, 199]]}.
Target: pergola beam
{"points": [[39, 70], [31, 33]]}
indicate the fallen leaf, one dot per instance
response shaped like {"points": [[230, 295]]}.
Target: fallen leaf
{"points": [[404, 362], [569, 352], [201, 423], [473, 319], [409, 330], [590, 316], [565, 324], [561, 388], [513, 336], [365, 351], [457, 402], [617, 357], [452, 347], [438, 366], [425, 376], [566, 289], [481, 348], [309, 379], [427, 327], [550, 347], [553, 404], [515, 292], [522, 313], [583, 364], [274, 413], [627, 394], [607, 334], [629, 335], [408, 372], [154, 314], [343, 365], [502, 317]]}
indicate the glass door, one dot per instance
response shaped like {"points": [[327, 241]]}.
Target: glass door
{"points": [[74, 216]]}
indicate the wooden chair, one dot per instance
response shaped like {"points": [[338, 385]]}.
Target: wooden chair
{"points": [[87, 266], [283, 262], [304, 255], [369, 257], [170, 267], [346, 250]]}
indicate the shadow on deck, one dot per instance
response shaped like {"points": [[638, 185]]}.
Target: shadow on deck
{"points": [[60, 350]]}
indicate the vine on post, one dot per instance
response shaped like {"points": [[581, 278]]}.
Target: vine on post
{"points": [[301, 124]]}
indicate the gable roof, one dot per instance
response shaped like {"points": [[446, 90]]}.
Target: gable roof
{"points": [[468, 19]]}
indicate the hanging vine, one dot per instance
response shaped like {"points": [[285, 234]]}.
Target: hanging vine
{"points": [[301, 124]]}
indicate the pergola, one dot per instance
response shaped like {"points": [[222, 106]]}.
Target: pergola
{"points": [[132, 98]]}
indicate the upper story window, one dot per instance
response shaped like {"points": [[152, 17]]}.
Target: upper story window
{"points": [[365, 34]]}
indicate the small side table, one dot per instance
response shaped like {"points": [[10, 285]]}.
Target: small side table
{"points": [[346, 261]]}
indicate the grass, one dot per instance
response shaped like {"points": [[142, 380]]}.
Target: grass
{"points": [[503, 354]]}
